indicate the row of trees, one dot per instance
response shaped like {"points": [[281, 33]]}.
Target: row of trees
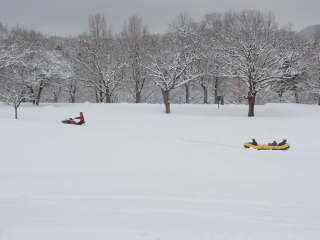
{"points": [[242, 55]]}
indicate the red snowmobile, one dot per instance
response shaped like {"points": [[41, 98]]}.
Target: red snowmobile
{"points": [[73, 121]]}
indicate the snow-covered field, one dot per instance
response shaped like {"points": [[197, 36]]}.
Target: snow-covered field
{"points": [[135, 173]]}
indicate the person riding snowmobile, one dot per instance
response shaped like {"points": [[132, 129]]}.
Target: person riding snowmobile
{"points": [[72, 120], [81, 118]]}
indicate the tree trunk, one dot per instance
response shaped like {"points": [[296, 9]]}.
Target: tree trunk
{"points": [[101, 96], [205, 94], [138, 92], [216, 86], [319, 100], [32, 94], [97, 96], [296, 96], [251, 102], [72, 89], [37, 100], [108, 96], [72, 99], [280, 94], [16, 112], [55, 97], [72, 95], [166, 99], [187, 88], [138, 97]]}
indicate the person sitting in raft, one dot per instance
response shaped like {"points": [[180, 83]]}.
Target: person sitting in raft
{"points": [[283, 142], [254, 142], [274, 143]]}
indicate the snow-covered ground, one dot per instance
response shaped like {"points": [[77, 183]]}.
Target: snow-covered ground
{"points": [[135, 173]]}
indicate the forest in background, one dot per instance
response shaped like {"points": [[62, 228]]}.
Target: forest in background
{"points": [[244, 56]]}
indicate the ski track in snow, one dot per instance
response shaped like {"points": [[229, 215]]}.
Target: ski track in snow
{"points": [[213, 144]]}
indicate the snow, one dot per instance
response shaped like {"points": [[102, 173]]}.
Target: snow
{"points": [[135, 173]]}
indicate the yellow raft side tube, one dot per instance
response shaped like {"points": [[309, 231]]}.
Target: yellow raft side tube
{"points": [[266, 147]]}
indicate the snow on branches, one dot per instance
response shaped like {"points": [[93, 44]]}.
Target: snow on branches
{"points": [[14, 94], [252, 44], [170, 71], [102, 67]]}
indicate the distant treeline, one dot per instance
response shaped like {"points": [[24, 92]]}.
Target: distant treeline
{"points": [[244, 56]]}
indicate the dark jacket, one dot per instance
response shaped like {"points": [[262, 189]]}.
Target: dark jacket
{"points": [[274, 143], [283, 142]]}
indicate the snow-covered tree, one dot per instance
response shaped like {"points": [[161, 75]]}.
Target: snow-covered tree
{"points": [[312, 83], [251, 45], [236, 54], [68, 48], [43, 69], [136, 43], [211, 52], [295, 65], [184, 33], [13, 53], [102, 67], [171, 69], [15, 97], [30, 58], [14, 92]]}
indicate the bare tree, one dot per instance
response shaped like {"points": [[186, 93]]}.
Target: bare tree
{"points": [[183, 30], [13, 89], [251, 45], [42, 69], [13, 52], [15, 97], [171, 70], [99, 62], [312, 83], [135, 41], [237, 53], [200, 40]]}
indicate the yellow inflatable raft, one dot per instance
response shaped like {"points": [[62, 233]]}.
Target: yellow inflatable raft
{"points": [[266, 147]]}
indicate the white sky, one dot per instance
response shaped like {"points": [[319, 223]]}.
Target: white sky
{"points": [[70, 17]]}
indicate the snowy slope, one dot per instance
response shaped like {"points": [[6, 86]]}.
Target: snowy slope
{"points": [[134, 173]]}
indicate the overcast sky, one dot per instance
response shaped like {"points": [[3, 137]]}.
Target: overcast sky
{"points": [[70, 17]]}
